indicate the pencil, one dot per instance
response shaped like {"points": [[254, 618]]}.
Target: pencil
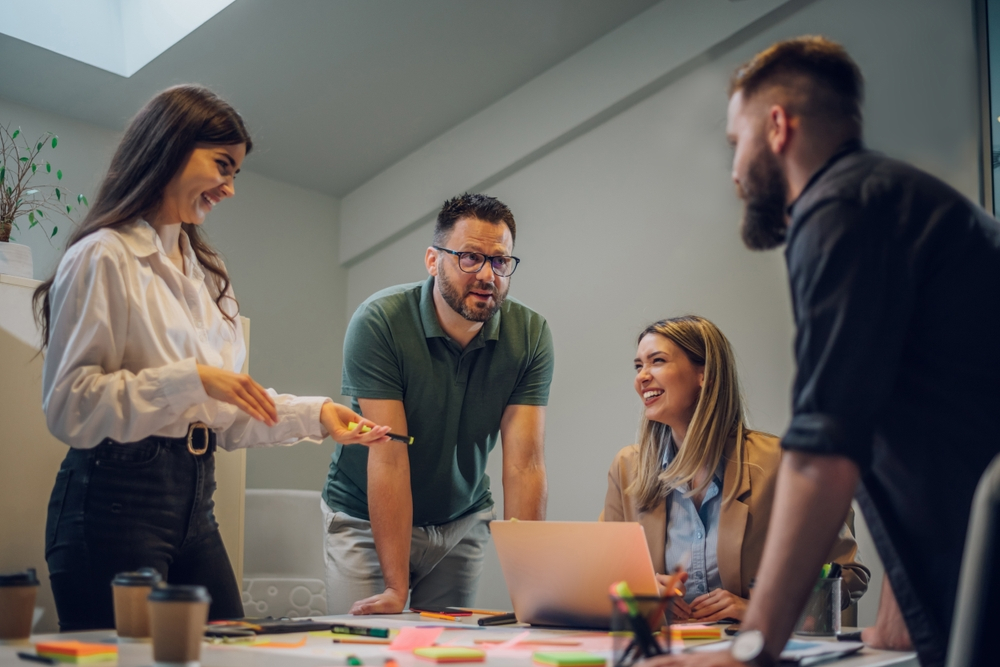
{"points": [[443, 617]]}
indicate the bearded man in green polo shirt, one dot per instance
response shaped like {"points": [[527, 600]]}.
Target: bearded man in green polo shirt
{"points": [[454, 363]]}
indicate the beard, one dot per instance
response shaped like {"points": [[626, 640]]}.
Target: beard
{"points": [[456, 298], [763, 226]]}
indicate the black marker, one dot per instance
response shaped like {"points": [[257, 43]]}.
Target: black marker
{"points": [[31, 657]]}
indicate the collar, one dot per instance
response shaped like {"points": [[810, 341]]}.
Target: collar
{"points": [[845, 149], [142, 240], [431, 325]]}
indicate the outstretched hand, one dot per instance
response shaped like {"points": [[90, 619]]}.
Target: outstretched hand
{"points": [[240, 390], [335, 418]]}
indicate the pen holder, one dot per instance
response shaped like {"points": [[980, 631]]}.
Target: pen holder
{"points": [[821, 616], [641, 634]]}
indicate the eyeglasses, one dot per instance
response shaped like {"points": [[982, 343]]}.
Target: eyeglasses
{"points": [[473, 262]]}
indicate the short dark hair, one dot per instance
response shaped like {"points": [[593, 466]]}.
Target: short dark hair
{"points": [[823, 79], [470, 205]]}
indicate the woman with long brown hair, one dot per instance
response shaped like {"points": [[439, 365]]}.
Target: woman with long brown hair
{"points": [[699, 481], [141, 375]]}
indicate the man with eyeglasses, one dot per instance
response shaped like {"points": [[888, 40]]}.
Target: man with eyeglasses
{"points": [[453, 363]]}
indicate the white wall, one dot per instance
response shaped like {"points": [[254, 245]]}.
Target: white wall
{"points": [[636, 220], [280, 245]]}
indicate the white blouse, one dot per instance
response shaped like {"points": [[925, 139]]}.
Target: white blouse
{"points": [[126, 331]]}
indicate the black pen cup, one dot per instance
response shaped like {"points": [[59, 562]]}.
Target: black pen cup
{"points": [[821, 616], [640, 628]]}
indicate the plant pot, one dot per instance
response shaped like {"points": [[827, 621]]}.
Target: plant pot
{"points": [[15, 260]]}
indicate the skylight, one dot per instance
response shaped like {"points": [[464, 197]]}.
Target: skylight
{"points": [[120, 36]]}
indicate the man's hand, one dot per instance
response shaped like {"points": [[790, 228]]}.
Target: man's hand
{"points": [[389, 602], [700, 659], [889, 632], [718, 604]]}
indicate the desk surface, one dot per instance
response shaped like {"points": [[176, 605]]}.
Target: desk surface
{"points": [[320, 651]]}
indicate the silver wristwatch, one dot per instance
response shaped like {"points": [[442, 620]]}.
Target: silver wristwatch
{"points": [[748, 647]]}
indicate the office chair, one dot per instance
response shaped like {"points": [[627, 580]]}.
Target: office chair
{"points": [[968, 621]]}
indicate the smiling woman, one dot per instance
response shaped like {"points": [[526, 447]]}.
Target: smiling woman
{"points": [[700, 481], [140, 378]]}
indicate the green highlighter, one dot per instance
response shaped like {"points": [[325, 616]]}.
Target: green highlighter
{"points": [[568, 659], [405, 439]]}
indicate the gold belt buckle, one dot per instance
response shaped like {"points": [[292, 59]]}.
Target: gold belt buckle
{"points": [[191, 429]]}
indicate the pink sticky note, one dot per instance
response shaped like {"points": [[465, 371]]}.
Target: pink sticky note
{"points": [[411, 638]]}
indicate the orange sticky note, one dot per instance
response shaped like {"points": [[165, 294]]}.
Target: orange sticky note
{"points": [[411, 638]]}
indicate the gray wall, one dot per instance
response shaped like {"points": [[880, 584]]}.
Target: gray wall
{"points": [[636, 220], [280, 245]]}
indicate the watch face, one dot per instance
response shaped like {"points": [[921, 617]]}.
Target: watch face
{"points": [[748, 645]]}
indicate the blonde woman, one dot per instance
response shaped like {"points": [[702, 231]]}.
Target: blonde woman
{"points": [[699, 481]]}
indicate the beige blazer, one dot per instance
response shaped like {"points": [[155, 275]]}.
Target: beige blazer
{"points": [[742, 520]]}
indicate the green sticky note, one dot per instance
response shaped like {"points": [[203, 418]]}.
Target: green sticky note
{"points": [[568, 659]]}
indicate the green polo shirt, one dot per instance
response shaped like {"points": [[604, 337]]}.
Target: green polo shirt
{"points": [[454, 398]]}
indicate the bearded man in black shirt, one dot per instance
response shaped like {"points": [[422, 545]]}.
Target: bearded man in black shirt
{"points": [[895, 282]]}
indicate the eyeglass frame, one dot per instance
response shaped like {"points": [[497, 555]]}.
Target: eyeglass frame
{"points": [[486, 258]]}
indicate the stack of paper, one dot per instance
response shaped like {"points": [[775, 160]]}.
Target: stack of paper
{"points": [[80, 653]]}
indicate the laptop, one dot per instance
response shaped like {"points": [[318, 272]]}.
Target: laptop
{"points": [[558, 572]]}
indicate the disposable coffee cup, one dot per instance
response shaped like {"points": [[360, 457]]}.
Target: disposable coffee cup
{"points": [[17, 605], [131, 597], [177, 617], [821, 617]]}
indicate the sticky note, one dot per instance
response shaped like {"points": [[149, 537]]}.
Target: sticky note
{"points": [[568, 658], [451, 654], [77, 652], [695, 632], [414, 637]]}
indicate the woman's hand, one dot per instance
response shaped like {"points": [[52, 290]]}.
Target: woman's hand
{"points": [[239, 390], [674, 585], [717, 605], [335, 418]]}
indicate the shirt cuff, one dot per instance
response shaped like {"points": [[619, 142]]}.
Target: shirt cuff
{"points": [[180, 384], [298, 419], [818, 433]]}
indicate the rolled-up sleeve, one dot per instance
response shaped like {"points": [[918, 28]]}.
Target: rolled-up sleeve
{"points": [[853, 299]]}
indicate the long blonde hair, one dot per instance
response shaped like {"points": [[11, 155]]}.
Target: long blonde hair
{"points": [[718, 416]]}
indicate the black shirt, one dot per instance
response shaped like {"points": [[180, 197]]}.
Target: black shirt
{"points": [[895, 282]]}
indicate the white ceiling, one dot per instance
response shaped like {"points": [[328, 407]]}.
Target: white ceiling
{"points": [[334, 91]]}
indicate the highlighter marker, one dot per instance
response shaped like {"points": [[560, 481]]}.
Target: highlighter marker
{"points": [[405, 439], [443, 617]]}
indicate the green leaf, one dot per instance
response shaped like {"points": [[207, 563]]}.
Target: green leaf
{"points": [[3, 172], [31, 219], [10, 190], [24, 159], [39, 212], [55, 140], [85, 202], [48, 167], [59, 174], [58, 195], [39, 146], [54, 230], [16, 132], [33, 167], [79, 198], [68, 208]]}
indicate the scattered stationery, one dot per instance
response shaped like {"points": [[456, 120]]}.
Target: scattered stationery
{"points": [[442, 617], [568, 659], [484, 612], [270, 644], [77, 652], [530, 642], [643, 644], [442, 654], [354, 660], [410, 638], [342, 629], [31, 657], [348, 639]]}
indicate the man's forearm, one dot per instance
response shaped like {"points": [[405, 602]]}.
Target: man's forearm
{"points": [[390, 507], [810, 502], [525, 493]]}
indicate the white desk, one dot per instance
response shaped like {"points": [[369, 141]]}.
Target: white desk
{"points": [[321, 652]]}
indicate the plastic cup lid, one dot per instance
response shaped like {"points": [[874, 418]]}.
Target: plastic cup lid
{"points": [[180, 594], [26, 578], [146, 576]]}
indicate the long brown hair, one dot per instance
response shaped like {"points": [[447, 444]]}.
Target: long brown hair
{"points": [[156, 144], [718, 415]]}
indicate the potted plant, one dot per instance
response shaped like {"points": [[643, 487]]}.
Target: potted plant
{"points": [[28, 197]]}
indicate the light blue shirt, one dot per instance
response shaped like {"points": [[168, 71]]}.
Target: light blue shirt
{"points": [[693, 534]]}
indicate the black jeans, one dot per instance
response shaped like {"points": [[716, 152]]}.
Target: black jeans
{"points": [[119, 507]]}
